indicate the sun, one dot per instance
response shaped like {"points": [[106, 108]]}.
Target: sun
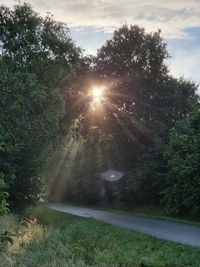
{"points": [[97, 94]]}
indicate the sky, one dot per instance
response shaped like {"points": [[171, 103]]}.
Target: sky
{"points": [[92, 22]]}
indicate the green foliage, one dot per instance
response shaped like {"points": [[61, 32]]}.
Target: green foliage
{"points": [[142, 102], [6, 237], [9, 230], [144, 183], [130, 50], [44, 86], [3, 196], [182, 194], [38, 58]]}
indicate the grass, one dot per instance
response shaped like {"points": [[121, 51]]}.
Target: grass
{"points": [[58, 240]]}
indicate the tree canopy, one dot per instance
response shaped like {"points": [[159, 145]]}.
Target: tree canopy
{"points": [[142, 103], [146, 123], [37, 56]]}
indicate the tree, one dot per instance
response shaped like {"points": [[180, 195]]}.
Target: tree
{"points": [[130, 128], [142, 104], [134, 63], [37, 61], [182, 195]]}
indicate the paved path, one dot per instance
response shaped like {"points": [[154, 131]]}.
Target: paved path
{"points": [[182, 233]]}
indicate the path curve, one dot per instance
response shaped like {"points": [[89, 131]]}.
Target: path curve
{"points": [[178, 232]]}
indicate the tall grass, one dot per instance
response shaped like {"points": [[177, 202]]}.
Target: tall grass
{"points": [[56, 239]]}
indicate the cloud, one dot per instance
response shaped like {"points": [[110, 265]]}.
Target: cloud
{"points": [[173, 17]]}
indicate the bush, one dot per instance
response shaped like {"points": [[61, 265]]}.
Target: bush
{"points": [[182, 195]]}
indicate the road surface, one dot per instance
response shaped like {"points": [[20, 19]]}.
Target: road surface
{"points": [[178, 232]]}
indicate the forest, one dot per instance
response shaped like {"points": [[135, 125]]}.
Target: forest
{"points": [[56, 138]]}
